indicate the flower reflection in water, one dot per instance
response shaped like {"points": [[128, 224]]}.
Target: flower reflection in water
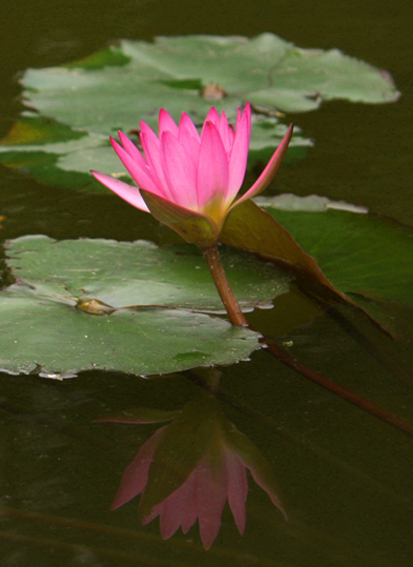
{"points": [[189, 468]]}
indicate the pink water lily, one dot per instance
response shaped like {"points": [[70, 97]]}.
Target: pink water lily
{"points": [[190, 468], [190, 181], [220, 475]]}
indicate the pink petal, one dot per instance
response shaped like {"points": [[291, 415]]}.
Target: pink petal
{"points": [[191, 144], [224, 132], [128, 192], [176, 510], [268, 174], [152, 138], [189, 509], [203, 496], [132, 150], [231, 136], [189, 137], [239, 155], [180, 172], [212, 496], [237, 484], [167, 124], [135, 477], [213, 166], [152, 148], [187, 124], [212, 116], [138, 171], [179, 510]]}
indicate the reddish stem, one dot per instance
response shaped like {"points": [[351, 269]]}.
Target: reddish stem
{"points": [[335, 388], [224, 289]]}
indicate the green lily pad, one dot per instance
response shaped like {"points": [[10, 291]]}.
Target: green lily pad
{"points": [[117, 87], [334, 253], [359, 253], [366, 257], [128, 306], [123, 274], [271, 73], [57, 155]]}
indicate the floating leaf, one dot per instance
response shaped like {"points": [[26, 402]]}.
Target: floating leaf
{"points": [[56, 154], [359, 253], [368, 258], [335, 254], [117, 87], [128, 306], [122, 274], [270, 72]]}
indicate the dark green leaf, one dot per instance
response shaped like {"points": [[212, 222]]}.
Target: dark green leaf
{"points": [[367, 258]]}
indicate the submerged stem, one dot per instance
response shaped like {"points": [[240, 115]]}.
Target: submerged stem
{"points": [[336, 389], [224, 289]]}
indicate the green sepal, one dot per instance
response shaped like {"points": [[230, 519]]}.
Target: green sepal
{"points": [[193, 227]]}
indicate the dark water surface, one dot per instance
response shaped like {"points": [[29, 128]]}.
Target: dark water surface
{"points": [[346, 478]]}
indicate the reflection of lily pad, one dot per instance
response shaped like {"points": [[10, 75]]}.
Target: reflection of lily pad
{"points": [[87, 304], [117, 87]]}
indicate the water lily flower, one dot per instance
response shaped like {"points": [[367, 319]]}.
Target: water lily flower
{"points": [[190, 181], [188, 470]]}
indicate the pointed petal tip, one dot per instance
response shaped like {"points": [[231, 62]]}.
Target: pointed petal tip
{"points": [[128, 193], [115, 144], [114, 506], [122, 135], [270, 170], [167, 123], [101, 177], [212, 116]]}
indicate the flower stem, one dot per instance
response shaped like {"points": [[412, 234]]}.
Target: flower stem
{"points": [[224, 289], [336, 389], [237, 318]]}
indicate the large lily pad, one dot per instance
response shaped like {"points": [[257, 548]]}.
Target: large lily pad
{"points": [[367, 258], [335, 253], [268, 71], [127, 306], [138, 273], [117, 87], [361, 254]]}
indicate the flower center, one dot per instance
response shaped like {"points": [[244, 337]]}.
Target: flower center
{"points": [[215, 209]]}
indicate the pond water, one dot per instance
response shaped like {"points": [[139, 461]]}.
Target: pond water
{"points": [[345, 476]]}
